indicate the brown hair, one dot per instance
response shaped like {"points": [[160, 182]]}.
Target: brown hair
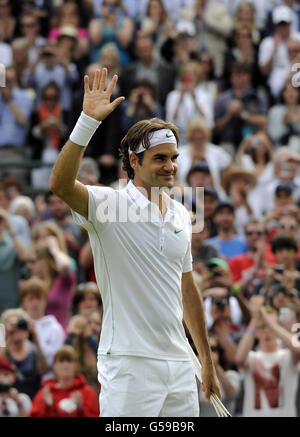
{"points": [[43, 252], [81, 291], [66, 353], [139, 133], [53, 230], [34, 286]]}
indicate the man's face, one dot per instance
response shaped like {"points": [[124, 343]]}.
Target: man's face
{"points": [[283, 199], [200, 179], [34, 305], [240, 79], [288, 225], [224, 218], [159, 166], [286, 256], [58, 207], [254, 234], [283, 29], [144, 48]]}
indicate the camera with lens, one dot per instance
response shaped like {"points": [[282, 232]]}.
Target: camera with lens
{"points": [[220, 303], [22, 324], [5, 387]]}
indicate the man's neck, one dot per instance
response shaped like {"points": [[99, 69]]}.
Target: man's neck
{"points": [[226, 234]]}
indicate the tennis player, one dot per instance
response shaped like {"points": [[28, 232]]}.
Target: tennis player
{"points": [[143, 267]]}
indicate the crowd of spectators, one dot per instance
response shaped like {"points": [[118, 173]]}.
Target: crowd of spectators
{"points": [[225, 72]]}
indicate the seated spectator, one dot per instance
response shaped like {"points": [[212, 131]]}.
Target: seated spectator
{"points": [[18, 223], [248, 269], [244, 49], [273, 55], [15, 110], [240, 110], [229, 380], [270, 372], [12, 187], [61, 217], [227, 241], [141, 105], [20, 58], [85, 343], [199, 148], [287, 224], [53, 266], [12, 403], [24, 207], [109, 58], [209, 82], [69, 16], [199, 176], [285, 250], [202, 251], [12, 253], [33, 294], [48, 131], [238, 184], [49, 67], [26, 355], [211, 200], [30, 29], [86, 297], [146, 67], [279, 297], [156, 24], [286, 167], [113, 26], [189, 100], [255, 154], [68, 394], [88, 172], [284, 118]]}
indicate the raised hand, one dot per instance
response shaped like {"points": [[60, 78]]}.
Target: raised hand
{"points": [[96, 101]]}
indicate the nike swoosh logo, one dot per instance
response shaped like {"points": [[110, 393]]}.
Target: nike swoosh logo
{"points": [[169, 136], [177, 232]]}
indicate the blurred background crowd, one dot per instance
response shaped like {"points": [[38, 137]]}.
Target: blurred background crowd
{"points": [[225, 72]]}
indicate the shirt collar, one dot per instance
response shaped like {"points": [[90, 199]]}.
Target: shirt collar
{"points": [[137, 196]]}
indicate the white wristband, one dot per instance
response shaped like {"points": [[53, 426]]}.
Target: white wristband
{"points": [[84, 129]]}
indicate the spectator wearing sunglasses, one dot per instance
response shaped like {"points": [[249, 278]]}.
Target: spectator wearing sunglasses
{"points": [[248, 268], [30, 29]]}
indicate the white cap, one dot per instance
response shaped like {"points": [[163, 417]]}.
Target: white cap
{"points": [[186, 27], [282, 14]]}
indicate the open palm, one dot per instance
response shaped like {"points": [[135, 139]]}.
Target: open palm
{"points": [[96, 101]]}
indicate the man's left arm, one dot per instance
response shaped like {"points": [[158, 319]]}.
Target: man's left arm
{"points": [[194, 318]]}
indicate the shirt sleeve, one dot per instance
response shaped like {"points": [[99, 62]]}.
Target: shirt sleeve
{"points": [[101, 208], [188, 260]]}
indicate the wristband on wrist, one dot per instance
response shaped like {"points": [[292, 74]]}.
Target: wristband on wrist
{"points": [[235, 289], [84, 129], [250, 331]]}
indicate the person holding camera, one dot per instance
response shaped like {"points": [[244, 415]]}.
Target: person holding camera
{"points": [[24, 353], [142, 104], [270, 371], [12, 403]]}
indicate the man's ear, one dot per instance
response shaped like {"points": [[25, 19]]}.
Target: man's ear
{"points": [[133, 160]]}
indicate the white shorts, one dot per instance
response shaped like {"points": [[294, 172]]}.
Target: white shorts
{"points": [[143, 387]]}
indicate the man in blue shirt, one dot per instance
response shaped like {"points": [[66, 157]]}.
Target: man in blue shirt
{"points": [[227, 241], [15, 109]]}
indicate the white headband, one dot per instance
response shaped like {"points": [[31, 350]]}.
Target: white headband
{"points": [[162, 136]]}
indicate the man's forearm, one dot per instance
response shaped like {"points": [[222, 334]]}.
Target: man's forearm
{"points": [[65, 170], [194, 318]]}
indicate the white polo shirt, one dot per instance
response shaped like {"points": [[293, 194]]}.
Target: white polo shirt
{"points": [[138, 267]]}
